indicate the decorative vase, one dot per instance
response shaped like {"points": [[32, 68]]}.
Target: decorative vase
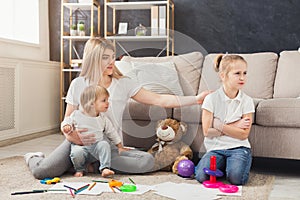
{"points": [[81, 29], [73, 32], [140, 30]]}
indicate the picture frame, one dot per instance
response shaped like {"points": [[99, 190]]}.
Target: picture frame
{"points": [[122, 28]]}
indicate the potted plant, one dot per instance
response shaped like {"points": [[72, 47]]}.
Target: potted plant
{"points": [[73, 30], [81, 28]]}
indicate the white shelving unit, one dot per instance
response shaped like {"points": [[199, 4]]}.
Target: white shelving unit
{"points": [[67, 71], [140, 5]]}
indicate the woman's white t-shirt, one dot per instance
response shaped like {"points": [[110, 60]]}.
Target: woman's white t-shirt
{"points": [[228, 111], [120, 90]]}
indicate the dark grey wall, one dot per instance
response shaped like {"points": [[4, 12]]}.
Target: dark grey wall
{"points": [[218, 25], [240, 26]]}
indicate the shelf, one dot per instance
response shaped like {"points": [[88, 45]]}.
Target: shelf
{"points": [[70, 62], [72, 70], [138, 38], [82, 6], [141, 5], [77, 38]]}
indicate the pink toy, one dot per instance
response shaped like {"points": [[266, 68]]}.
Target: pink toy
{"points": [[213, 173], [226, 188]]}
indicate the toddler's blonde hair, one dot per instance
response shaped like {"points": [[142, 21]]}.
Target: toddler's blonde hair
{"points": [[89, 95]]}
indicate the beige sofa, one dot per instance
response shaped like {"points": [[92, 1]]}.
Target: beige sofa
{"points": [[273, 82]]}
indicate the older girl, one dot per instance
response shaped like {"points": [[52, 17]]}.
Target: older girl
{"points": [[226, 122]]}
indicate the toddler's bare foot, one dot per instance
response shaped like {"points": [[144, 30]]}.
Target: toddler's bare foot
{"points": [[107, 172], [78, 174]]}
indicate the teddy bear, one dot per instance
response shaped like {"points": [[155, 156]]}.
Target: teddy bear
{"points": [[169, 149]]}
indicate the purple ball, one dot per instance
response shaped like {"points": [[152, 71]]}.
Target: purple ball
{"points": [[186, 168]]}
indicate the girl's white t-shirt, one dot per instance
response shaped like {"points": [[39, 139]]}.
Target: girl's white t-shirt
{"points": [[120, 91], [228, 111]]}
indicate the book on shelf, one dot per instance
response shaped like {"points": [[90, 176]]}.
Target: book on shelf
{"points": [[154, 20], [162, 20]]}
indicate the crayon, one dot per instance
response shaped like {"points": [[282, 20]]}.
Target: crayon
{"points": [[91, 186], [100, 181], [71, 192], [28, 192], [131, 181], [70, 188], [82, 188]]}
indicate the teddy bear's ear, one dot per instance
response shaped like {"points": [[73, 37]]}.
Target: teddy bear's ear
{"points": [[183, 127]]}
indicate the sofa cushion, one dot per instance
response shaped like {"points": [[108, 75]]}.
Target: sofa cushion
{"points": [[287, 82], [160, 78], [261, 74], [283, 112], [137, 111], [188, 66]]}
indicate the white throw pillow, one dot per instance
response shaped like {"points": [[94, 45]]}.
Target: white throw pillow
{"points": [[124, 67], [161, 78]]}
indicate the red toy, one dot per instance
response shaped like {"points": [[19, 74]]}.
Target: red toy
{"points": [[213, 173]]}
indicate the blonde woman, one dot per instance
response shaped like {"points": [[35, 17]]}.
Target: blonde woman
{"points": [[99, 68]]}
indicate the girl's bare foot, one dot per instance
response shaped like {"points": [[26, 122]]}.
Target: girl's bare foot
{"points": [[107, 172], [78, 174]]}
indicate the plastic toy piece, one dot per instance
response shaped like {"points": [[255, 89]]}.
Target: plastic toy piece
{"points": [[114, 183], [50, 181], [213, 173], [128, 188], [186, 168], [226, 188]]}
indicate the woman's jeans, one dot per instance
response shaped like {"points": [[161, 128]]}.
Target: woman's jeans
{"points": [[236, 162]]}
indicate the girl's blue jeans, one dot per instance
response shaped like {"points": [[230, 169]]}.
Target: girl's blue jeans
{"points": [[81, 155], [235, 163]]}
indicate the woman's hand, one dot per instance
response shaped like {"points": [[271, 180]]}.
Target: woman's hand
{"points": [[121, 148], [200, 97], [78, 138]]}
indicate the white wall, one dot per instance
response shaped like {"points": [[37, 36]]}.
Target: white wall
{"points": [[36, 96], [37, 80]]}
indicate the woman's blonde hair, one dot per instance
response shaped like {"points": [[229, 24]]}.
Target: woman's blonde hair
{"points": [[89, 95], [92, 59], [224, 62]]}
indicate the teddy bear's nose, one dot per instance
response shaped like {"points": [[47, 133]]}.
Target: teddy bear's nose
{"points": [[164, 127]]}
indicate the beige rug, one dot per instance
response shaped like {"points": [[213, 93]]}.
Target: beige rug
{"points": [[15, 176]]}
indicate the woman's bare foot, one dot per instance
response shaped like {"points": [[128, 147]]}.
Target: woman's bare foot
{"points": [[78, 174], [107, 172]]}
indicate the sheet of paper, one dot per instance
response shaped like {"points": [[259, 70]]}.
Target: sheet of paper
{"points": [[185, 191], [96, 190]]}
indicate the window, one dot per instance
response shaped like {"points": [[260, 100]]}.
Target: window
{"points": [[24, 29], [20, 20]]}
